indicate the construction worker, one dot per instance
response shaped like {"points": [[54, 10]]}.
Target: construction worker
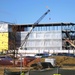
{"points": [[22, 73]]}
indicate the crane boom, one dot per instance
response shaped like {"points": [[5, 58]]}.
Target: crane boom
{"points": [[36, 23]]}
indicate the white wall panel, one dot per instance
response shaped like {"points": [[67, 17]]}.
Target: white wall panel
{"points": [[43, 40], [3, 27]]}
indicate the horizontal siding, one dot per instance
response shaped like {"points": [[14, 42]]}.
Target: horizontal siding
{"points": [[42, 40], [3, 41]]}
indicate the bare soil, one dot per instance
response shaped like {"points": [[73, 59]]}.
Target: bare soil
{"points": [[61, 61]]}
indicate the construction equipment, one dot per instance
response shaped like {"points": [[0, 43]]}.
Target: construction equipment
{"points": [[33, 26], [70, 42], [69, 38]]}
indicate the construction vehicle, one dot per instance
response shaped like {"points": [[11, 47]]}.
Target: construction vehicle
{"points": [[33, 26]]}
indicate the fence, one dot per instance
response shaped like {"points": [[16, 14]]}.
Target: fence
{"points": [[55, 71], [8, 72]]}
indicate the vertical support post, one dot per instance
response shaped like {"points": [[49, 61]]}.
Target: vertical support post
{"points": [[21, 64], [57, 70]]}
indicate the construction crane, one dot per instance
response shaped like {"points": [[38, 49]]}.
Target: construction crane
{"points": [[33, 26]]}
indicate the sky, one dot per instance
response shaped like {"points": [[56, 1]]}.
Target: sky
{"points": [[29, 11]]}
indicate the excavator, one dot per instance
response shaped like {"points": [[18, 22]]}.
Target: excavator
{"points": [[33, 26]]}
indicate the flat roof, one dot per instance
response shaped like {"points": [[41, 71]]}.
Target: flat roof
{"points": [[46, 24]]}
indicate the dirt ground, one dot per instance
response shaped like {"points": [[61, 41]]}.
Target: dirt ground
{"points": [[64, 61], [61, 61]]}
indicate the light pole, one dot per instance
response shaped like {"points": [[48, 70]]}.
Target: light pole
{"points": [[20, 63]]}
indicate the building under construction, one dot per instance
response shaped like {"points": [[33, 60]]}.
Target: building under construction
{"points": [[51, 37]]}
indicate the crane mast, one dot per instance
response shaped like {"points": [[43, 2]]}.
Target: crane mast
{"points": [[36, 23]]}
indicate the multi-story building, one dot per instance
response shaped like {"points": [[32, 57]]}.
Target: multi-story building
{"points": [[51, 37], [7, 36]]}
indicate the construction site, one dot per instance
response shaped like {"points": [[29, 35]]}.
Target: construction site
{"points": [[52, 38], [21, 40]]}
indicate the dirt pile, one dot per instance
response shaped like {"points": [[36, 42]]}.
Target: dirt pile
{"points": [[63, 61]]}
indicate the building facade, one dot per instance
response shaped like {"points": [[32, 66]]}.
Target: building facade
{"points": [[51, 37], [6, 37], [3, 36]]}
